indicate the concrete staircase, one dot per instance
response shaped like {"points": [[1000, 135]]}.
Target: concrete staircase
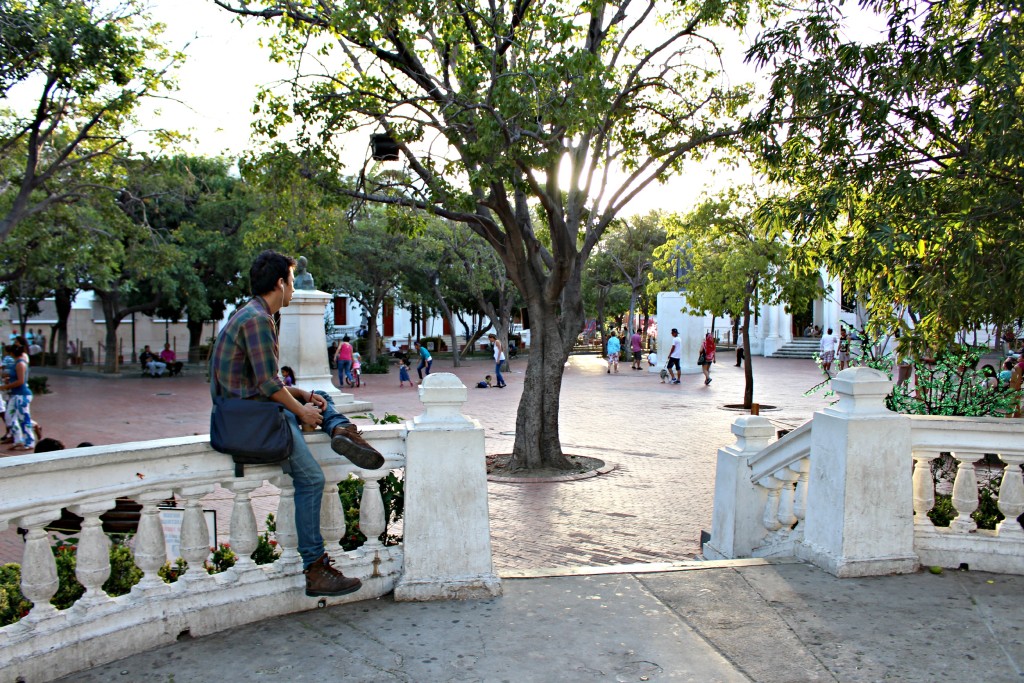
{"points": [[801, 347]]}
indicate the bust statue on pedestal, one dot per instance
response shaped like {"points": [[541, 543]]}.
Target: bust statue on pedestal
{"points": [[303, 279]]}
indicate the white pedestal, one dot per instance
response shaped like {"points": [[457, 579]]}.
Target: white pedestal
{"points": [[304, 348]]}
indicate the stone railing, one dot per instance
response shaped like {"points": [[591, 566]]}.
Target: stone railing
{"points": [[850, 491], [443, 456]]}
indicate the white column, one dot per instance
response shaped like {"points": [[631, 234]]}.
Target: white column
{"points": [[150, 550], [371, 511], [1011, 497], [39, 580], [736, 527], [965, 493], [772, 340], [92, 561], [924, 489], [287, 537], [332, 519], [195, 537], [243, 536], [447, 532], [860, 496]]}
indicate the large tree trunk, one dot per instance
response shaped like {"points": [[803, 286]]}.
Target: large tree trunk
{"points": [[748, 370], [62, 298], [553, 332], [195, 339]]}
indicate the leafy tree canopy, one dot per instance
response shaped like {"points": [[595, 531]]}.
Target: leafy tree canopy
{"points": [[86, 64], [907, 157]]}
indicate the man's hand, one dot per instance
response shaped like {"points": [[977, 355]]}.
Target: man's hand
{"points": [[319, 401], [310, 416]]}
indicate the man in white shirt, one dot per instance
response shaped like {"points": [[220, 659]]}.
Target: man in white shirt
{"points": [[675, 353], [828, 350]]}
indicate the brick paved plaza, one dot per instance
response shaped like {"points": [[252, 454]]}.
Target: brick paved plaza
{"points": [[662, 439]]}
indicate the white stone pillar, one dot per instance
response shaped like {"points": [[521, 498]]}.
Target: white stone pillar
{"points": [[772, 340], [736, 527], [860, 509], [303, 347], [447, 531]]}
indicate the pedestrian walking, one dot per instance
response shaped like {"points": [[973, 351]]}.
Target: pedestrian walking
{"points": [[426, 360], [675, 353], [706, 357], [343, 359], [636, 345], [19, 413], [499, 360], [828, 351], [844, 349], [614, 346], [403, 373], [244, 364]]}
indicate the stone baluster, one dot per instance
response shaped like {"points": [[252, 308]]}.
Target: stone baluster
{"points": [[770, 519], [243, 537], [287, 537], [965, 493], [736, 522], [802, 468], [924, 488], [332, 520], [787, 493], [1011, 497], [371, 511], [92, 562], [150, 549], [195, 536], [39, 580]]}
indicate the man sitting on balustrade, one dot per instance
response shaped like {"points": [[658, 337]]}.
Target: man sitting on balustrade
{"points": [[244, 364]]}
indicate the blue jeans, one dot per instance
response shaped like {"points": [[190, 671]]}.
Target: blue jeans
{"points": [[424, 363], [344, 371], [308, 480], [497, 372]]}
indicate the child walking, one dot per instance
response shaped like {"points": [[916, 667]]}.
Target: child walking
{"points": [[403, 373], [357, 365]]}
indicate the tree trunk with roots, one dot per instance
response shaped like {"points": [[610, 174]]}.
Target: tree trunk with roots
{"points": [[553, 331]]}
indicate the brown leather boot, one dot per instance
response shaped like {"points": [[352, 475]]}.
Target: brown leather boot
{"points": [[348, 442], [323, 579]]}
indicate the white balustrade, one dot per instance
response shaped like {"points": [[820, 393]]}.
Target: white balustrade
{"points": [[49, 643], [859, 472]]}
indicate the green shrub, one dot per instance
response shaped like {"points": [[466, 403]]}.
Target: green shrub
{"points": [[37, 384], [69, 589], [266, 547], [224, 558], [392, 491], [13, 605], [950, 384], [381, 367], [123, 572]]}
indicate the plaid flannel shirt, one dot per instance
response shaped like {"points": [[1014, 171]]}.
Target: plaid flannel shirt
{"points": [[244, 359]]}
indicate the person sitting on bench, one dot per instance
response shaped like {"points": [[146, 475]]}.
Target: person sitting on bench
{"points": [[171, 360], [151, 365]]}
